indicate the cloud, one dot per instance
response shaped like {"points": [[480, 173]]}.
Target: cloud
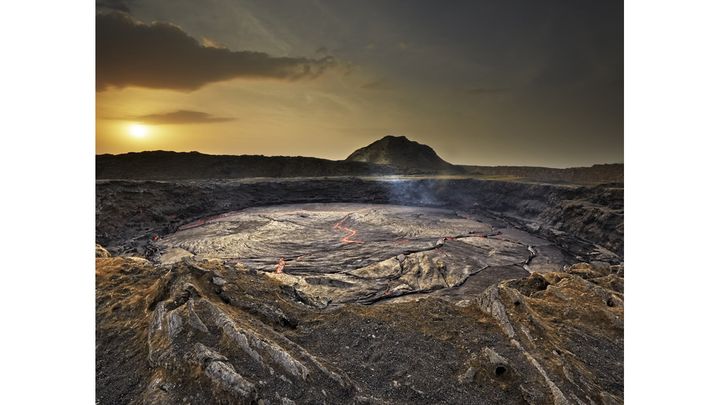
{"points": [[209, 43], [486, 90], [162, 56], [118, 5], [180, 117]]}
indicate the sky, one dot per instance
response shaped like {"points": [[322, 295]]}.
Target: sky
{"points": [[535, 83]]}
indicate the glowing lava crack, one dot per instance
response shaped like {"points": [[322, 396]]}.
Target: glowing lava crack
{"points": [[350, 232]]}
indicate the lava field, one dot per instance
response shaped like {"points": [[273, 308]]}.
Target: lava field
{"points": [[362, 252], [344, 291]]}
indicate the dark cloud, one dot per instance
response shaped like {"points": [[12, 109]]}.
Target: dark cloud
{"points": [[487, 90], [117, 5], [180, 117], [161, 55]]}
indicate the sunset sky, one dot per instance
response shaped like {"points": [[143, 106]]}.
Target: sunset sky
{"points": [[482, 82]]}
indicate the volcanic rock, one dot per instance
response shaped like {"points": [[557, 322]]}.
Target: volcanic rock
{"points": [[402, 153], [368, 308], [101, 251], [165, 335], [581, 220]]}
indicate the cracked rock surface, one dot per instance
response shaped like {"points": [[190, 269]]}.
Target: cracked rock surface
{"points": [[169, 334], [340, 253]]}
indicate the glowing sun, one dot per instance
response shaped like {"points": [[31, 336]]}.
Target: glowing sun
{"points": [[138, 130]]}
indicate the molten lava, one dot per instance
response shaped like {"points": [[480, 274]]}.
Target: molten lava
{"points": [[280, 266], [350, 232]]}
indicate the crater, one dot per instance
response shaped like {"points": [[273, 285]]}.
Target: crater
{"points": [[338, 252]]}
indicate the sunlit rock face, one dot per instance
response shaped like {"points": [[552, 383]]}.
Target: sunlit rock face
{"points": [[338, 253]]}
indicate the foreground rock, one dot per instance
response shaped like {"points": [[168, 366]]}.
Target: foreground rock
{"points": [[177, 334]]}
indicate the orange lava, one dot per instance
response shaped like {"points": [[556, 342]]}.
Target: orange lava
{"points": [[280, 266], [350, 232]]}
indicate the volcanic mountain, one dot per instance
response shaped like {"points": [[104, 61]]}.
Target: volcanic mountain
{"points": [[404, 154], [391, 155]]}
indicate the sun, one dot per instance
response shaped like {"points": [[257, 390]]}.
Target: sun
{"points": [[138, 130]]}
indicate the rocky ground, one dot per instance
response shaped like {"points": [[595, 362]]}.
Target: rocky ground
{"points": [[205, 332], [402, 291]]}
